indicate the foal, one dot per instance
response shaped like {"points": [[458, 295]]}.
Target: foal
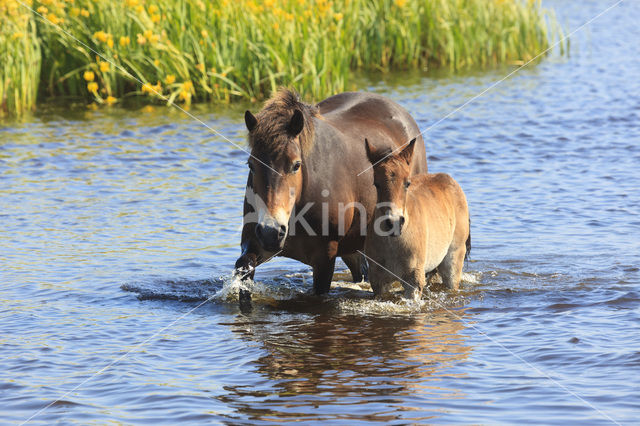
{"points": [[419, 224]]}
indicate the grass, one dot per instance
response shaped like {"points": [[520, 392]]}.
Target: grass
{"points": [[220, 50]]}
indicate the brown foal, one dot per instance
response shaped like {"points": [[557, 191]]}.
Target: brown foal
{"points": [[421, 223]]}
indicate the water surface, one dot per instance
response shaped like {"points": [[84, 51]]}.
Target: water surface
{"points": [[116, 224]]}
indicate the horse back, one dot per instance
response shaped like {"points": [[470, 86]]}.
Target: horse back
{"points": [[440, 200], [382, 121]]}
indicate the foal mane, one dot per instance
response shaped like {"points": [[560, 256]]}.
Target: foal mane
{"points": [[271, 132]]}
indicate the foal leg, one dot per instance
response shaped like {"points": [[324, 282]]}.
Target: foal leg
{"points": [[413, 282], [451, 267], [355, 264]]}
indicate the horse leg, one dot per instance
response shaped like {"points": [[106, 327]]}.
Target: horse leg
{"points": [[252, 255], [451, 267], [322, 274], [381, 280], [356, 265], [245, 266], [413, 282]]}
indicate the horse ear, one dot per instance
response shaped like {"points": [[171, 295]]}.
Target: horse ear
{"points": [[371, 152], [407, 152], [296, 124], [250, 120]]}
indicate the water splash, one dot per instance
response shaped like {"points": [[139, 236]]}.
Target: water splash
{"points": [[345, 297], [277, 289]]}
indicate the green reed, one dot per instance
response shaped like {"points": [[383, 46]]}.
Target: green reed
{"points": [[220, 50]]}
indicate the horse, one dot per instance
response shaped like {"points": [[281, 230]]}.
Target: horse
{"points": [[421, 224], [309, 193]]}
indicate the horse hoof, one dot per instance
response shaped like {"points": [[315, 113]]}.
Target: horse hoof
{"points": [[244, 301]]}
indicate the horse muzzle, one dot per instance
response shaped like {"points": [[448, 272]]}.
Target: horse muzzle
{"points": [[392, 225], [271, 234]]}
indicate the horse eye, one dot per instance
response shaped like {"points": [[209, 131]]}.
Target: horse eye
{"points": [[407, 184], [296, 166], [376, 185], [250, 166]]}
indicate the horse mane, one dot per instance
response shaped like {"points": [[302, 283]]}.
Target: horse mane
{"points": [[271, 131]]}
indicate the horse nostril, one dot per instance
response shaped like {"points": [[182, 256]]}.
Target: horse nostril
{"points": [[388, 224], [282, 232]]}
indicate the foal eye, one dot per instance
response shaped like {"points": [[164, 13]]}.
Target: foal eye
{"points": [[296, 166], [376, 185], [407, 184]]}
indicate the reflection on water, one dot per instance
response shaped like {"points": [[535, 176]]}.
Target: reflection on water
{"points": [[115, 224], [362, 367]]}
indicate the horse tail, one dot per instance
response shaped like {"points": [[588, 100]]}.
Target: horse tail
{"points": [[468, 243]]}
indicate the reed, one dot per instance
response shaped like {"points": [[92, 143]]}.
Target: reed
{"points": [[220, 50], [20, 59]]}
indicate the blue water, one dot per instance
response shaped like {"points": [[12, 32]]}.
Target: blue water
{"points": [[117, 225]]}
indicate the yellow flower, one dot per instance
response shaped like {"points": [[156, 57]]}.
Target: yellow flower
{"points": [[85, 13], [75, 11], [42, 10], [89, 75], [400, 3], [101, 36], [141, 39], [153, 9], [124, 41], [111, 100], [157, 88], [154, 38], [110, 42], [156, 62], [200, 67], [276, 26], [204, 33], [155, 18], [16, 36], [148, 33], [307, 13], [92, 87], [185, 96], [148, 108], [147, 88], [170, 79], [337, 16], [132, 3], [187, 86], [104, 66]]}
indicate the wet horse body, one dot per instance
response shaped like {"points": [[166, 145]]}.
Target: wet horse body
{"points": [[427, 220], [305, 163]]}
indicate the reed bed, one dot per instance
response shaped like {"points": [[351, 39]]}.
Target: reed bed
{"points": [[220, 50]]}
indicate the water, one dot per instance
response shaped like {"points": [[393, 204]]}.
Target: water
{"points": [[117, 225]]}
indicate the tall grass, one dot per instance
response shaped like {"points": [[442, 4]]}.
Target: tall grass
{"points": [[19, 58], [219, 50]]}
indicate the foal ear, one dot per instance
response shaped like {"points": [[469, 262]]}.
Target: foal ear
{"points": [[296, 124], [407, 152], [250, 120], [371, 152]]}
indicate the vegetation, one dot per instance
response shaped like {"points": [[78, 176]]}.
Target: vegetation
{"points": [[219, 50]]}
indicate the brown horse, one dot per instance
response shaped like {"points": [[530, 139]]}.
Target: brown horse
{"points": [[421, 224], [306, 196]]}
